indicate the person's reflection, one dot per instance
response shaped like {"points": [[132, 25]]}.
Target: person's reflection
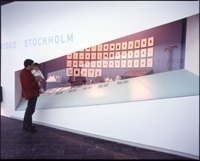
{"points": [[77, 80], [73, 81]]}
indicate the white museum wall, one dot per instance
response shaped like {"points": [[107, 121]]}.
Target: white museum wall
{"points": [[170, 125], [192, 45]]}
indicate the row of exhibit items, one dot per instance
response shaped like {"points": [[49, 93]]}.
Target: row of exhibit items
{"points": [[96, 66], [78, 72], [135, 44], [132, 63], [139, 53]]}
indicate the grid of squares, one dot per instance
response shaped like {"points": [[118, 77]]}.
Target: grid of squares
{"points": [[131, 54]]}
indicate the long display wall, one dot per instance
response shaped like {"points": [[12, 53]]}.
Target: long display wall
{"points": [[59, 40], [151, 51], [114, 67]]}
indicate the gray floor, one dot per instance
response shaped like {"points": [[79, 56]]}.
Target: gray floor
{"points": [[50, 143]]}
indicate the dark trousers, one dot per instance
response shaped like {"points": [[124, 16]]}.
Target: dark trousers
{"points": [[30, 109]]}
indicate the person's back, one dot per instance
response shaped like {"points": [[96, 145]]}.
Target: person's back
{"points": [[28, 83]]}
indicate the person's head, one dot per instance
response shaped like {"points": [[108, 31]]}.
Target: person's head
{"points": [[28, 63], [36, 66]]}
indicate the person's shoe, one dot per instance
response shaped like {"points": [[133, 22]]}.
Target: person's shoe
{"points": [[32, 130], [33, 126]]}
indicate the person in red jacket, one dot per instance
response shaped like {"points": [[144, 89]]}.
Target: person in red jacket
{"points": [[30, 91]]}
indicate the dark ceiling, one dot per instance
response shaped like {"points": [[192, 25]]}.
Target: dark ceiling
{"points": [[3, 2]]}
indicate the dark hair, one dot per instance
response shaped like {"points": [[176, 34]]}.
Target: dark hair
{"points": [[28, 62], [36, 64]]}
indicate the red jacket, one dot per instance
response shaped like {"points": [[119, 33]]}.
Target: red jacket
{"points": [[29, 85]]}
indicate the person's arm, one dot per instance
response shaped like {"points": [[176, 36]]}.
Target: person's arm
{"points": [[33, 71], [28, 81], [42, 76]]}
